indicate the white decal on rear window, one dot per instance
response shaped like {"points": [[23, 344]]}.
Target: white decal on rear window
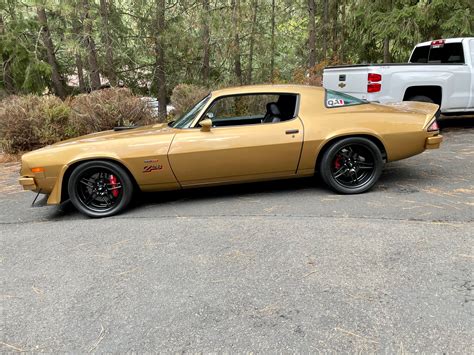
{"points": [[335, 102]]}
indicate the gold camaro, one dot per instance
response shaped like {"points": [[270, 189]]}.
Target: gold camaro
{"points": [[235, 135]]}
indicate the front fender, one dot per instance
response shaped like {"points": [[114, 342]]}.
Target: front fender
{"points": [[55, 197]]}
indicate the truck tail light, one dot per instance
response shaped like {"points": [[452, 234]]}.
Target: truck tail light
{"points": [[373, 82], [374, 87], [372, 77]]}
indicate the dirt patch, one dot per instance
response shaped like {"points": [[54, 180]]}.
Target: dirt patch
{"points": [[9, 173]]}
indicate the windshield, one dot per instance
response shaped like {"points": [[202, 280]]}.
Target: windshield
{"points": [[338, 99], [185, 120]]}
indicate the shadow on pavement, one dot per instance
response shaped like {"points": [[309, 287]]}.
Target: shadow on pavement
{"points": [[447, 122]]}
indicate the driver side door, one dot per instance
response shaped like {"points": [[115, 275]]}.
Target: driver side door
{"points": [[239, 147]]}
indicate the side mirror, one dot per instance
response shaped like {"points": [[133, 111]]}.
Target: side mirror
{"points": [[206, 125]]}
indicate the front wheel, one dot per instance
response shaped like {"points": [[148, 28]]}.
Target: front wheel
{"points": [[100, 188], [352, 165]]}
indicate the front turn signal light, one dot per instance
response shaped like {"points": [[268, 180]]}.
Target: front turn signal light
{"points": [[37, 170]]}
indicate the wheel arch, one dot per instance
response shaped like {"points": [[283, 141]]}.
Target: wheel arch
{"points": [[64, 195], [325, 146], [434, 92]]}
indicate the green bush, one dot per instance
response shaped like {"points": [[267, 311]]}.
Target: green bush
{"points": [[29, 122], [184, 96]]}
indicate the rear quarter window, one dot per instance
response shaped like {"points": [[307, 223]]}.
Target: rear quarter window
{"points": [[338, 99]]}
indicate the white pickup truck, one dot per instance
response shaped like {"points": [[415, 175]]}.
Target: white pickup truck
{"points": [[440, 71]]}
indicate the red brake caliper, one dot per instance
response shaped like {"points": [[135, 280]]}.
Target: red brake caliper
{"points": [[337, 162], [113, 184]]}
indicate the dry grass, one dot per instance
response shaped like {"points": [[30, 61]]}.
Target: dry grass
{"points": [[29, 122], [185, 96]]}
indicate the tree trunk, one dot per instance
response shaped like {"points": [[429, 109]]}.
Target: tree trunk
{"points": [[325, 27], [107, 40], [312, 34], [6, 60], [94, 72], [252, 41], [236, 44], [76, 28], [335, 40], [272, 51], [342, 48], [205, 42], [387, 58], [58, 81], [160, 76]]}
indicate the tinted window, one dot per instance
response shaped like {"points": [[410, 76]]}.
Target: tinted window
{"points": [[420, 55], [449, 53], [338, 99], [444, 54]]}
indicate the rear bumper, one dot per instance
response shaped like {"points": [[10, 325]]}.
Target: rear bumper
{"points": [[28, 183], [433, 142]]}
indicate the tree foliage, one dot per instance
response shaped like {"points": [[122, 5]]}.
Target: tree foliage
{"points": [[152, 46]]}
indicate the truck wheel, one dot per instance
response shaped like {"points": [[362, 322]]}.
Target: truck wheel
{"points": [[421, 98]]}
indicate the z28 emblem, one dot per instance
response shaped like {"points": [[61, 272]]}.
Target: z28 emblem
{"points": [[150, 168]]}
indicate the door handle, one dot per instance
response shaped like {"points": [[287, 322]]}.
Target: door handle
{"points": [[292, 131]]}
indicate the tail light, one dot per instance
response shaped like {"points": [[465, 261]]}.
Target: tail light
{"points": [[373, 82], [374, 77], [374, 87], [433, 127]]}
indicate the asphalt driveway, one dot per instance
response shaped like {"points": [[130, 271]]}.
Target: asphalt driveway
{"points": [[286, 266]]}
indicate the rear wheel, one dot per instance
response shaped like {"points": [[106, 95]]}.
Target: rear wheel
{"points": [[421, 98], [352, 165], [100, 188]]}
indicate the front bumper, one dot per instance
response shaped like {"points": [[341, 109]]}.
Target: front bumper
{"points": [[433, 142], [28, 183]]}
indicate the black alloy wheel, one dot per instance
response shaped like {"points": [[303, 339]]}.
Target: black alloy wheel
{"points": [[352, 165], [100, 188]]}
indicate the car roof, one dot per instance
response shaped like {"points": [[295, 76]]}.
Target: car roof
{"points": [[266, 89], [446, 40]]}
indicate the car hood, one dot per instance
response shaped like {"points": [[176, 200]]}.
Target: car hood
{"points": [[157, 129]]}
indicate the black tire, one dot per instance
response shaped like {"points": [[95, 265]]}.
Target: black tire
{"points": [[421, 98], [351, 165], [100, 188]]}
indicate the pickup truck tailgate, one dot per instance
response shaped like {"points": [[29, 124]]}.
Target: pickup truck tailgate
{"points": [[350, 80]]}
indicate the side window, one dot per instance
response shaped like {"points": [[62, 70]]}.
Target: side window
{"points": [[252, 109], [420, 54]]}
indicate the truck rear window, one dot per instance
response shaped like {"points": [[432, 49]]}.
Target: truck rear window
{"points": [[338, 99], [449, 53]]}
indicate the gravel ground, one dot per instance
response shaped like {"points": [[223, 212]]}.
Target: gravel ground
{"points": [[285, 266]]}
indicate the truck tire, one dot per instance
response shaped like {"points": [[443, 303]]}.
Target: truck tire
{"points": [[421, 98]]}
